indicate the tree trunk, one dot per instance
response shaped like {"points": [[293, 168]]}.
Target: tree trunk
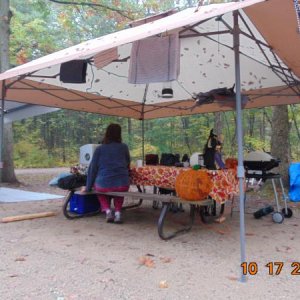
{"points": [[251, 122], [8, 169], [262, 129], [218, 123], [129, 131], [185, 127], [280, 145], [8, 173], [5, 16]]}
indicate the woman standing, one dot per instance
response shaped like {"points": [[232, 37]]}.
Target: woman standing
{"points": [[109, 171], [212, 154]]}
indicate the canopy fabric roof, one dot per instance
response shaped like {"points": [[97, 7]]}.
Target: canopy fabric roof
{"points": [[270, 66], [18, 111]]}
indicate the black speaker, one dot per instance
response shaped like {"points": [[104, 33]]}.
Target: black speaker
{"points": [[167, 93], [73, 71], [263, 211]]}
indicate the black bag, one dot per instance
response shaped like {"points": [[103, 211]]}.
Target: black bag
{"points": [[209, 151], [72, 181], [209, 159], [163, 191], [151, 159], [169, 159], [185, 158], [73, 71]]}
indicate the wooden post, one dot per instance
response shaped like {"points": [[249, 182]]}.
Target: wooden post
{"points": [[27, 217]]}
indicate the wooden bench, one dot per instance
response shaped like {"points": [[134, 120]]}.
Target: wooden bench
{"points": [[165, 200]]}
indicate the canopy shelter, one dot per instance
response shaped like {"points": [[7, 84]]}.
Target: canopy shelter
{"points": [[215, 40], [269, 47]]}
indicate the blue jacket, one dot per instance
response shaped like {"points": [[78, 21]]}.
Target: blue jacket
{"points": [[109, 166]]}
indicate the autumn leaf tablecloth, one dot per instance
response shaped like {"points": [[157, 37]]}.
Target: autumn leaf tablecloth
{"points": [[225, 182]]}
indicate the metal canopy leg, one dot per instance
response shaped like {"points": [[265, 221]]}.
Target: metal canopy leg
{"points": [[239, 129], [1, 139]]}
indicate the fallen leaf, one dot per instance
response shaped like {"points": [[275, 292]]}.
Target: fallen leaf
{"points": [[13, 275], [146, 261], [163, 284], [83, 260], [166, 259], [250, 233], [220, 220], [220, 231], [233, 278], [20, 259], [107, 280]]}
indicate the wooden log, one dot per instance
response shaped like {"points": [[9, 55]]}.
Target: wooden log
{"points": [[27, 217]]}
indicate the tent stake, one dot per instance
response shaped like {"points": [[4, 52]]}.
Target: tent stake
{"points": [[239, 128]]}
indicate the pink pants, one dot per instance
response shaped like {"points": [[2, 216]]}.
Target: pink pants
{"points": [[105, 201]]}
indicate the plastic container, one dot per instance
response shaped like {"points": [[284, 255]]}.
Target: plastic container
{"points": [[197, 159], [82, 204]]}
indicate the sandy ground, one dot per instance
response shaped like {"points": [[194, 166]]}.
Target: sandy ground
{"points": [[56, 258]]}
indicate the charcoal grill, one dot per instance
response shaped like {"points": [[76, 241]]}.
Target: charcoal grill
{"points": [[261, 170]]}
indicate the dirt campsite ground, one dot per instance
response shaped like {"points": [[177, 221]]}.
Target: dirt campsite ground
{"points": [[56, 258]]}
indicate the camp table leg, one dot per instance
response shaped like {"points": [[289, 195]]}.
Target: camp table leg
{"points": [[161, 220], [135, 205], [209, 213], [66, 204]]}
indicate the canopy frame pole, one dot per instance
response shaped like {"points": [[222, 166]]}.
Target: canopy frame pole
{"points": [[143, 140], [142, 118], [278, 69], [239, 128], [2, 129], [1, 133]]}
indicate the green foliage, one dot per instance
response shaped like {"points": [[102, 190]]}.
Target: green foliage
{"points": [[254, 143], [54, 139], [28, 155], [136, 153]]}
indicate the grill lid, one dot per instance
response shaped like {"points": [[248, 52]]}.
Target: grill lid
{"points": [[258, 156], [261, 165]]}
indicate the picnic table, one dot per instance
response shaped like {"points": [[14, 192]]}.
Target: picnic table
{"points": [[225, 181], [225, 185]]}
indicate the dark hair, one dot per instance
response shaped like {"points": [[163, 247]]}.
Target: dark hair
{"points": [[113, 134]]}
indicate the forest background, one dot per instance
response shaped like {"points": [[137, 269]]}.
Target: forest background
{"points": [[40, 27]]}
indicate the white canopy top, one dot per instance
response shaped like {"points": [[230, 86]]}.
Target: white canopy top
{"points": [[269, 65]]}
